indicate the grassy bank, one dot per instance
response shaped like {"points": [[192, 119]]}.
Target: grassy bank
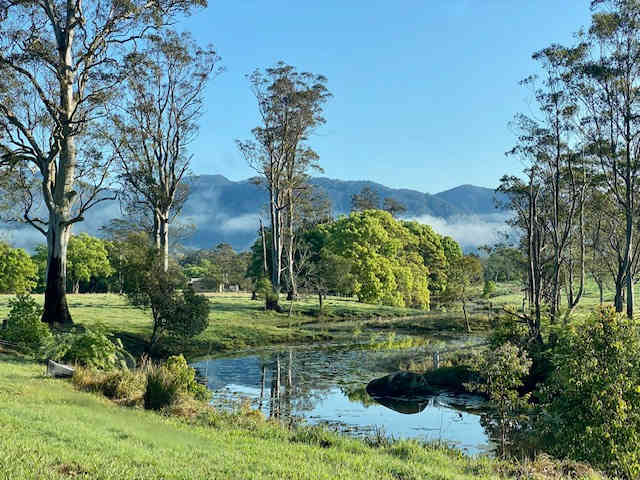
{"points": [[52, 431]]}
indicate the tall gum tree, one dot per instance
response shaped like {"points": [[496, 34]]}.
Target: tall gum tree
{"points": [[290, 104], [606, 80], [151, 130], [59, 62]]}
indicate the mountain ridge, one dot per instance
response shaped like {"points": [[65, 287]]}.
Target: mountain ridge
{"points": [[224, 210]]}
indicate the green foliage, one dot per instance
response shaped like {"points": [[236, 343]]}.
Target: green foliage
{"points": [[386, 266], [87, 347], [500, 374], [504, 264], [189, 314], [18, 272], [166, 383], [87, 258], [186, 378], [489, 288], [148, 286], [591, 403], [24, 325]]}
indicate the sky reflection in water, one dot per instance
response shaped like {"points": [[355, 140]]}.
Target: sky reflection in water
{"points": [[327, 386]]}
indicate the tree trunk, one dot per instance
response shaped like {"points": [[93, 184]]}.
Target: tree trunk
{"points": [[164, 240], [56, 310], [293, 289], [601, 289], [466, 317], [76, 287]]}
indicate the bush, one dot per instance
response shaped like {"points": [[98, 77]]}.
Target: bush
{"points": [[489, 288], [186, 378], [500, 373], [163, 388], [24, 327], [124, 385], [591, 403], [189, 315], [166, 383], [89, 348]]}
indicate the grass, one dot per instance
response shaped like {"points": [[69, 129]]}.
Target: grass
{"points": [[238, 323], [52, 431]]}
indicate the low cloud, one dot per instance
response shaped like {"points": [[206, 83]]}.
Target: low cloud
{"points": [[244, 223], [470, 231]]}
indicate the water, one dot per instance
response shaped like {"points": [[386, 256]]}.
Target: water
{"points": [[326, 385]]}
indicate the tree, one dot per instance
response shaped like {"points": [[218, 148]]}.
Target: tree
{"points": [[429, 245], [367, 199], [464, 273], [385, 266], [152, 129], [394, 207], [148, 286], [290, 106], [591, 403], [87, 258], [605, 76], [59, 62], [18, 273]]}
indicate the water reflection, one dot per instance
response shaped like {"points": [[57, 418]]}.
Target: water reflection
{"points": [[328, 386]]}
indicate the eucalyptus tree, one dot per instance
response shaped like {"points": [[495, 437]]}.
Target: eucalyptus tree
{"points": [[524, 196], [367, 199], [59, 63], [153, 128], [606, 80], [290, 105], [563, 173]]}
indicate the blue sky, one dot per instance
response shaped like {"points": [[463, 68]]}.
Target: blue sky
{"points": [[423, 90]]}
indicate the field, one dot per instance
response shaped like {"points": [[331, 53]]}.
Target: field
{"points": [[236, 322], [51, 431]]}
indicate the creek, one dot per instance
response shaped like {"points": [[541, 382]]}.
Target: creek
{"points": [[326, 384]]}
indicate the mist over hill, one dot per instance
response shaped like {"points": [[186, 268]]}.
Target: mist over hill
{"points": [[229, 211]]}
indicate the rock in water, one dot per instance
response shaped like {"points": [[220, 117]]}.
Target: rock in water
{"points": [[401, 385]]}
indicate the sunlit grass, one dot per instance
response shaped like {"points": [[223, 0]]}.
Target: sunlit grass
{"points": [[51, 431]]}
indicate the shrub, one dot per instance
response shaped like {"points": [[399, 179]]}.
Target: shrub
{"points": [[189, 314], [591, 402], [89, 348], [500, 373], [24, 327], [163, 388], [489, 288], [166, 383], [186, 378]]}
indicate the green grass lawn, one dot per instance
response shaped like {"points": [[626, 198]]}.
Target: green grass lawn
{"points": [[236, 322], [51, 431]]}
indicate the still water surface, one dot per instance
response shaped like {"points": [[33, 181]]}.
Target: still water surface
{"points": [[326, 385]]}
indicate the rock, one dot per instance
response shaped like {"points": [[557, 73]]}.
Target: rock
{"points": [[399, 385], [58, 370]]}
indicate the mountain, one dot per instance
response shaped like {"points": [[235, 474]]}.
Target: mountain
{"points": [[223, 210], [471, 199]]}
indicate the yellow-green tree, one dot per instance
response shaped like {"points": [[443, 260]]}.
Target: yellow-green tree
{"points": [[18, 272], [386, 266], [87, 257]]}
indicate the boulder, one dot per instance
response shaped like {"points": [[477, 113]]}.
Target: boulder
{"points": [[401, 385], [58, 370]]}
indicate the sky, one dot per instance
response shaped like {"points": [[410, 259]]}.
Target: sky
{"points": [[423, 91]]}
